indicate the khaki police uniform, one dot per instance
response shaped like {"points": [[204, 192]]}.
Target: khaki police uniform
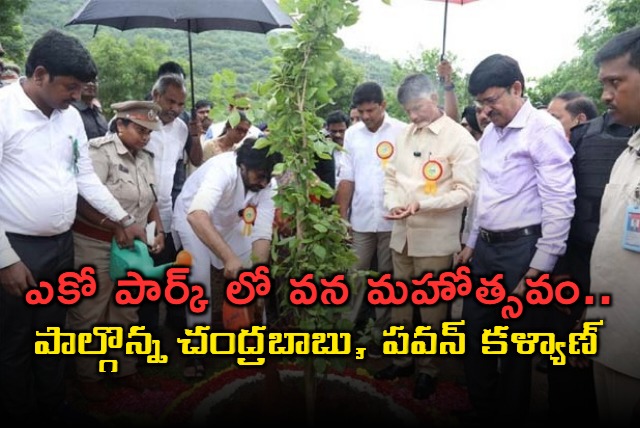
{"points": [[130, 178]]}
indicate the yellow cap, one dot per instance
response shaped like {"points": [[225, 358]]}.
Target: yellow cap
{"points": [[144, 113]]}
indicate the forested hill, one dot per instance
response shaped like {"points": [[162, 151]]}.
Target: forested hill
{"points": [[213, 51]]}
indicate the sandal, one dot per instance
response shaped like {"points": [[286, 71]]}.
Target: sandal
{"points": [[194, 369]]}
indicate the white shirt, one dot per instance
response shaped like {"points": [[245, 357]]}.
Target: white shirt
{"points": [[615, 270], [215, 129], [217, 188], [40, 178], [337, 161], [167, 145], [361, 165]]}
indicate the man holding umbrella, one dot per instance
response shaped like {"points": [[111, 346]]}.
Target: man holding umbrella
{"points": [[167, 145]]}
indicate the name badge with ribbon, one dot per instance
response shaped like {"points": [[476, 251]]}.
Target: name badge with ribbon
{"points": [[384, 150], [631, 236], [249, 215], [432, 171]]}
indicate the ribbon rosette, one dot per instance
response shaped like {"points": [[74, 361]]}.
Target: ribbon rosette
{"points": [[432, 171], [249, 215], [384, 150]]}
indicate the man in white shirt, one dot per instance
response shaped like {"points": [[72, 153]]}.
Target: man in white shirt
{"points": [[224, 217], [167, 146], [336, 125], [44, 166], [369, 144]]}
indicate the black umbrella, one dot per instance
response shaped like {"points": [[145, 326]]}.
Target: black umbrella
{"points": [[193, 16]]}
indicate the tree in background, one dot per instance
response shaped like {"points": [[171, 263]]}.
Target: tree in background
{"points": [[11, 35], [579, 74], [427, 63], [347, 75], [126, 71]]}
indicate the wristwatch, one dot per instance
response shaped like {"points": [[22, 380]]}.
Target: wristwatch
{"points": [[127, 221], [449, 87]]}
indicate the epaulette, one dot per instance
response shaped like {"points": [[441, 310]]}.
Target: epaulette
{"points": [[101, 141]]}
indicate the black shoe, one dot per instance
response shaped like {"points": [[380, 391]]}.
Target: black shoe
{"points": [[425, 386], [393, 371]]}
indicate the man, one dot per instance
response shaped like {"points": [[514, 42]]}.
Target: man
{"points": [[522, 215], [203, 109], [192, 153], [469, 120], [571, 109], [615, 262], [240, 102], [426, 209], [597, 142], [336, 125], [44, 166], [224, 218], [354, 116], [368, 147], [95, 124], [167, 145]]}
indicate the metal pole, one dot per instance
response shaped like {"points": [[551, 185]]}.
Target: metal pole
{"points": [[444, 31], [193, 103]]}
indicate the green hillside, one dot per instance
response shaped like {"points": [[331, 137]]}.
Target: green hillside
{"points": [[245, 53]]}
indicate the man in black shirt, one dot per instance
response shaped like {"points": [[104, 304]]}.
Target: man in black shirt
{"points": [[95, 124]]}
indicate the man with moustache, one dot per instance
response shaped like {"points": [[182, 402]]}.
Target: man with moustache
{"points": [[615, 261], [95, 124], [44, 166], [426, 186], [521, 222], [336, 125], [369, 145], [224, 217], [167, 145]]}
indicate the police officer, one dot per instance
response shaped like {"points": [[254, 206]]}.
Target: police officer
{"points": [[126, 168]]}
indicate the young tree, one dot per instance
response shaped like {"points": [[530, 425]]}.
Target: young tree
{"points": [[300, 84]]}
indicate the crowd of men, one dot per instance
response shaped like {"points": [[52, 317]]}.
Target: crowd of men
{"points": [[505, 188]]}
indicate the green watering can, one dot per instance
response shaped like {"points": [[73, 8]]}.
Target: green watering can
{"points": [[137, 259]]}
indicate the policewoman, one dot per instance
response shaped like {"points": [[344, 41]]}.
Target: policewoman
{"points": [[126, 168]]}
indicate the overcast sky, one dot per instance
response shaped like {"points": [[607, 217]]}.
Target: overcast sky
{"points": [[539, 34]]}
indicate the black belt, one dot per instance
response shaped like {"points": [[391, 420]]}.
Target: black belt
{"points": [[509, 235]]}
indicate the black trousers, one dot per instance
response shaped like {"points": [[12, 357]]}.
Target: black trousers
{"points": [[149, 312], [572, 395], [32, 386], [499, 390]]}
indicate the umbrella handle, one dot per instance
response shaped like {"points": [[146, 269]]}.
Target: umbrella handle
{"points": [[193, 102], [444, 35]]}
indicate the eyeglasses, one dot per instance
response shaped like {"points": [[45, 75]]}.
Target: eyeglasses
{"points": [[490, 101]]}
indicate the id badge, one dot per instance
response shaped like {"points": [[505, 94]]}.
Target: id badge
{"points": [[631, 236]]}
